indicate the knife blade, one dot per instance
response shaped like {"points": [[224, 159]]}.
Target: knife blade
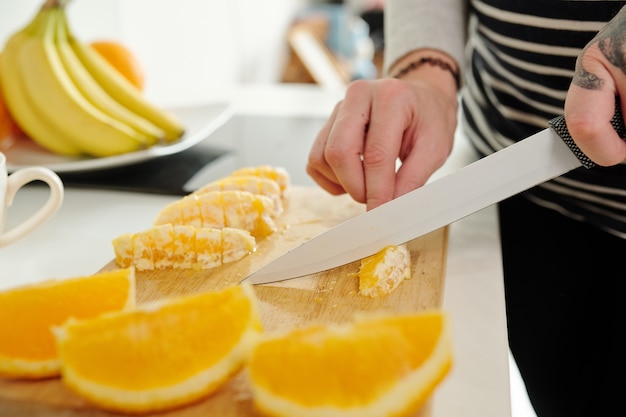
{"points": [[516, 168]]}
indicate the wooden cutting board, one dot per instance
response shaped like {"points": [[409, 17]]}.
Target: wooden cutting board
{"points": [[330, 296]]}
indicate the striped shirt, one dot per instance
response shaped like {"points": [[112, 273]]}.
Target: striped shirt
{"points": [[521, 57]]}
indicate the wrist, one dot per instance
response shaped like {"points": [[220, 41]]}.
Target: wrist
{"points": [[432, 66], [433, 61]]}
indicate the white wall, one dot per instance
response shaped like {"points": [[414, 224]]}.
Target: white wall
{"points": [[191, 49]]}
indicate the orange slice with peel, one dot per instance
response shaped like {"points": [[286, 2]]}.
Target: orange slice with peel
{"points": [[181, 247], [379, 365], [27, 314], [230, 208], [163, 354]]}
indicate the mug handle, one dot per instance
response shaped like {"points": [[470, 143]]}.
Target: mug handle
{"points": [[17, 180]]}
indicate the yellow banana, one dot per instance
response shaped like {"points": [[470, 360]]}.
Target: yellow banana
{"points": [[124, 92], [60, 103], [19, 102], [94, 92]]}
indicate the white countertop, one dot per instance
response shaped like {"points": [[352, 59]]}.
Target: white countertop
{"points": [[77, 240]]}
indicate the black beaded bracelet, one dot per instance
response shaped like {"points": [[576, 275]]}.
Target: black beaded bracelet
{"points": [[431, 61]]}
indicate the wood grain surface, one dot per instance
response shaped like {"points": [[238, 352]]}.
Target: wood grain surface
{"points": [[331, 296]]}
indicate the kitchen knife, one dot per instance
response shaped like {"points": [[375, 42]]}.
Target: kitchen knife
{"points": [[518, 167]]}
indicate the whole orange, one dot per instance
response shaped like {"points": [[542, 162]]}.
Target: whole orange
{"points": [[123, 59]]}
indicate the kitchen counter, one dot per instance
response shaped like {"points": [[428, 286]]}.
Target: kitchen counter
{"points": [[279, 131]]}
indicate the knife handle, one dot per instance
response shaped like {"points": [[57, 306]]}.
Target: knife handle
{"points": [[560, 127]]}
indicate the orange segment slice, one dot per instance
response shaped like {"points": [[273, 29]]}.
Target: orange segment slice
{"points": [[278, 174], [161, 244], [251, 212], [184, 251], [381, 365], [218, 209], [382, 272], [250, 183], [27, 313], [181, 247], [143, 257], [236, 244], [212, 249], [163, 354]]}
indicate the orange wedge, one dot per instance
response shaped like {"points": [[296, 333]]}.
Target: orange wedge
{"points": [[217, 209], [27, 314], [181, 247], [163, 354], [382, 272], [380, 365], [250, 183]]}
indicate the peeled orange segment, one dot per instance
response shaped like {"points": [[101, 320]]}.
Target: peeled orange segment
{"points": [[27, 314], [162, 247], [382, 365], [209, 247], [278, 174], [250, 183], [143, 257], [218, 209], [163, 354], [251, 212], [382, 272], [181, 247], [236, 244]]}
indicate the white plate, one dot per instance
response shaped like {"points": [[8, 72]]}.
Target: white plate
{"points": [[200, 121]]}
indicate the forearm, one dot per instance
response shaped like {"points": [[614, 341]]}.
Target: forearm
{"points": [[411, 25]]}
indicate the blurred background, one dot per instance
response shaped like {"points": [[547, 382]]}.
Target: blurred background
{"points": [[192, 50]]}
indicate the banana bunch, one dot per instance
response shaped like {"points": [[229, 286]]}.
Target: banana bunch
{"points": [[70, 100]]}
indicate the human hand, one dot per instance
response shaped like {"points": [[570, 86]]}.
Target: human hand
{"points": [[377, 123], [599, 80]]}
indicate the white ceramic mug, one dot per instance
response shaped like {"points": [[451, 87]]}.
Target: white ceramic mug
{"points": [[10, 184]]}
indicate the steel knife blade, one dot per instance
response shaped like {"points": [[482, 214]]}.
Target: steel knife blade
{"points": [[518, 167]]}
